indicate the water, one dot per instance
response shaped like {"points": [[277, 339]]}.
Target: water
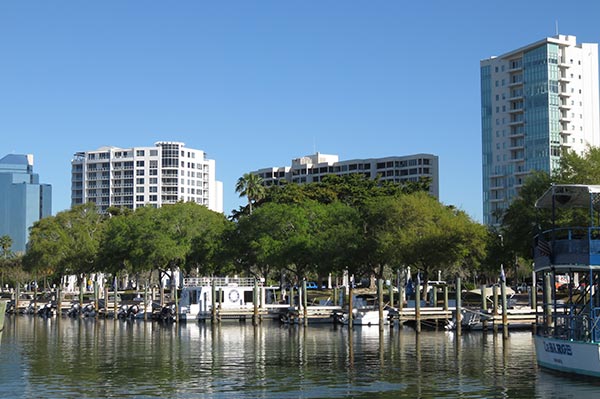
{"points": [[66, 358]]}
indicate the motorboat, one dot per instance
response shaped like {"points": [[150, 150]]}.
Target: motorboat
{"points": [[364, 317], [567, 335]]}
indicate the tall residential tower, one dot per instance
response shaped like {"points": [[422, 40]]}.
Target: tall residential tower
{"points": [[23, 200], [536, 102], [145, 176]]}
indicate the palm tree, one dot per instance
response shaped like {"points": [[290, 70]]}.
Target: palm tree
{"points": [[5, 244], [251, 186]]}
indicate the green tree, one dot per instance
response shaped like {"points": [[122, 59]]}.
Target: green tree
{"points": [[416, 230], [66, 243]]}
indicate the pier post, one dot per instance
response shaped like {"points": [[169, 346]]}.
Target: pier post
{"points": [[504, 309], [304, 302], [445, 298], [255, 302], [96, 298], [335, 295], [380, 301], [391, 292], [58, 300], [105, 301], [495, 305], [350, 305], [146, 303], [434, 296], [81, 287], [458, 314], [17, 296], [213, 308], [483, 307], [174, 288], [495, 299], [116, 302], [418, 307]]}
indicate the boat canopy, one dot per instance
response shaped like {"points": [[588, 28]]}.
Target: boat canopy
{"points": [[570, 196]]}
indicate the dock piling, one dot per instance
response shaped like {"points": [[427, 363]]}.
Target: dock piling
{"points": [[458, 314]]}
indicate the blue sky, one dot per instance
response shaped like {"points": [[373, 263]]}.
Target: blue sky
{"points": [[257, 83]]}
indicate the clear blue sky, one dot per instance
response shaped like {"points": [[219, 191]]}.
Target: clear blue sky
{"points": [[257, 83]]}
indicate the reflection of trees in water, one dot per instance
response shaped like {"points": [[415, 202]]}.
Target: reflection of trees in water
{"points": [[116, 358]]}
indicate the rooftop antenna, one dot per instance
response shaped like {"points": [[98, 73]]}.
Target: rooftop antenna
{"points": [[314, 145], [556, 23]]}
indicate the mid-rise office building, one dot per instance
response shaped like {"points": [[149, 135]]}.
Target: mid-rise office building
{"points": [[23, 200], [398, 169], [537, 102], [145, 176]]}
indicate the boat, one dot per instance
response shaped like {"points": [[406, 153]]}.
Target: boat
{"points": [[234, 298], [567, 335], [473, 297], [364, 317]]}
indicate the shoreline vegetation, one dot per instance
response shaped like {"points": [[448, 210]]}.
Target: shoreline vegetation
{"points": [[343, 225]]}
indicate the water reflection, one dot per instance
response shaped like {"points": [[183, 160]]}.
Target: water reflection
{"points": [[100, 358]]}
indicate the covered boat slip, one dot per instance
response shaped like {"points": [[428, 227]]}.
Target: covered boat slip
{"points": [[571, 311], [207, 298]]}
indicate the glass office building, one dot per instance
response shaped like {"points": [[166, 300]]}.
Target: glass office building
{"points": [[23, 200]]}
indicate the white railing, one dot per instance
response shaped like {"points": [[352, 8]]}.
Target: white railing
{"points": [[219, 281]]}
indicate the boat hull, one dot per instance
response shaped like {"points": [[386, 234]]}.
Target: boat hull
{"points": [[568, 356]]}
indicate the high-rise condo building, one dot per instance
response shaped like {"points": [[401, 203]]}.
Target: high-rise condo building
{"points": [[145, 176], [23, 200], [536, 102], [399, 169]]}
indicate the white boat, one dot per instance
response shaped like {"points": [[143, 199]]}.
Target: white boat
{"points": [[568, 331], [234, 298], [364, 317]]}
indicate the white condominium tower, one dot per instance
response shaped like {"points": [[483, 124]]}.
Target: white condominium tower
{"points": [[145, 176], [398, 169], [536, 102]]}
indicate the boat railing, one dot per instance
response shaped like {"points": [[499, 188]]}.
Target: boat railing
{"points": [[567, 245], [220, 282], [573, 327]]}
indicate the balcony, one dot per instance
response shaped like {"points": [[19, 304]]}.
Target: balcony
{"points": [[565, 118], [564, 78], [564, 105]]}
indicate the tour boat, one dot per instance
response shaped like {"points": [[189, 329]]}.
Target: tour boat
{"points": [[567, 335]]}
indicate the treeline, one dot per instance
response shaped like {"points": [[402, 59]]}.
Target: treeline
{"points": [[366, 227]]}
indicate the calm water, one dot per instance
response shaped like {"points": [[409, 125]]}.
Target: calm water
{"points": [[65, 358]]}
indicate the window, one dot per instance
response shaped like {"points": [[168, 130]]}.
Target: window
{"points": [[139, 189], [139, 198], [153, 180], [153, 153], [139, 172], [139, 180], [139, 153], [139, 164], [153, 189]]}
